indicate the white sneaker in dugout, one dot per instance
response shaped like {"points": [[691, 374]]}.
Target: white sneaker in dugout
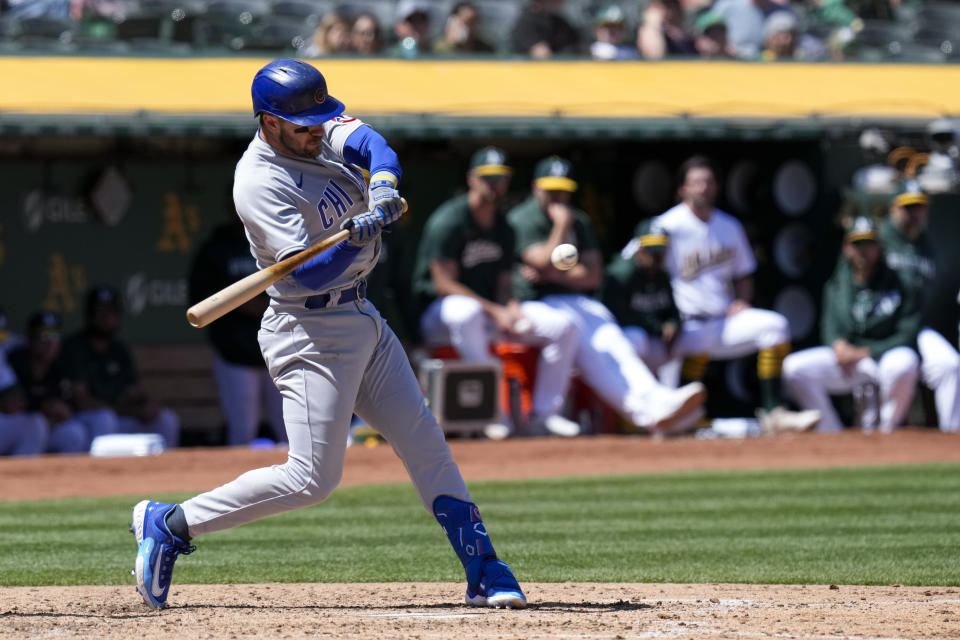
{"points": [[678, 403], [681, 425], [555, 425], [496, 431], [780, 420]]}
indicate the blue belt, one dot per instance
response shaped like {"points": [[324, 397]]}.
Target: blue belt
{"points": [[346, 295]]}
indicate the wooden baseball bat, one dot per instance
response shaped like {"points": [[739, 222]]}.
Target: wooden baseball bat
{"points": [[247, 288]]}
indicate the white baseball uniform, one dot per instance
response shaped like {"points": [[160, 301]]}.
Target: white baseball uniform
{"points": [[329, 359], [704, 259]]}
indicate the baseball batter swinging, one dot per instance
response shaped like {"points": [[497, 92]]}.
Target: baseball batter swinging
{"points": [[328, 349]]}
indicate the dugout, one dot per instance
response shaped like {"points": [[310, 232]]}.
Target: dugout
{"points": [[114, 169]]}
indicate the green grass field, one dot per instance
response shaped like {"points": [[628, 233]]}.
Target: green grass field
{"points": [[869, 525]]}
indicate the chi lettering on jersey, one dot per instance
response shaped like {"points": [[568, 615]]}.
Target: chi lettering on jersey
{"points": [[334, 204]]}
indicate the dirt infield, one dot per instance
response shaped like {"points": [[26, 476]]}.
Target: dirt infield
{"points": [[408, 611]]}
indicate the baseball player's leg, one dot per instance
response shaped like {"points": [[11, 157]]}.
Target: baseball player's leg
{"points": [[697, 339], [317, 360], [811, 375], [898, 371], [762, 331], [23, 434], [559, 335], [99, 422], [391, 401], [238, 388], [612, 369], [461, 322], [648, 348], [940, 369], [166, 423], [70, 436], [272, 403]]}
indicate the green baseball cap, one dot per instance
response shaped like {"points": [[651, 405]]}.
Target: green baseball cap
{"points": [[909, 192], [553, 174], [861, 229], [651, 237], [490, 161]]}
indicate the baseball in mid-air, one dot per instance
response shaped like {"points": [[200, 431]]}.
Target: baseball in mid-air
{"points": [[565, 256]]}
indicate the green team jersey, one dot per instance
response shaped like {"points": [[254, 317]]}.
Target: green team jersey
{"points": [[481, 254], [533, 225], [878, 316], [637, 298], [911, 259]]}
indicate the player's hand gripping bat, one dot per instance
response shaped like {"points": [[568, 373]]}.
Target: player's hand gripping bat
{"points": [[245, 289]]}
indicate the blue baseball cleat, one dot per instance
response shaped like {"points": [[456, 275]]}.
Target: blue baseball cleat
{"points": [[497, 587], [157, 550]]}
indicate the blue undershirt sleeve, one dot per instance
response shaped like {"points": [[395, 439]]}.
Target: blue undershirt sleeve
{"points": [[368, 149], [322, 269]]}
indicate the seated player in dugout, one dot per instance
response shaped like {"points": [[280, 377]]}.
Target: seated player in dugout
{"points": [[603, 355], [637, 291], [462, 280], [869, 327], [711, 266]]}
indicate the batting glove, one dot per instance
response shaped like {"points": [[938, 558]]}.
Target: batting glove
{"points": [[364, 227], [384, 197]]}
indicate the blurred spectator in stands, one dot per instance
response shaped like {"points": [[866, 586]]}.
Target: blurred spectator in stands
{"points": [[541, 31], [663, 31], [782, 40], [245, 386], [332, 36], [608, 30], [365, 35], [36, 8], [461, 33], [710, 37], [412, 29], [869, 332], [21, 433], [745, 21], [45, 386], [9, 340], [103, 378], [116, 10]]}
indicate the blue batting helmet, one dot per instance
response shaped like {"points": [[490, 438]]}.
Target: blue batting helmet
{"points": [[295, 91]]}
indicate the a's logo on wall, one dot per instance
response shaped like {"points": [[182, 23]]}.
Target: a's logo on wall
{"points": [[180, 225], [141, 291], [66, 284]]}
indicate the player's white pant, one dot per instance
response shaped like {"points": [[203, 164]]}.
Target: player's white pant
{"points": [[244, 390], [607, 360], [23, 434], [461, 322], [727, 337], [651, 349], [811, 375], [328, 364], [940, 370]]}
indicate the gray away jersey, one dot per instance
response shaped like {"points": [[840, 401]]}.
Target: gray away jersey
{"points": [[288, 204]]}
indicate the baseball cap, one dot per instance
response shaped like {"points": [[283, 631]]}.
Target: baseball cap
{"points": [[103, 295], [44, 324], [651, 237], [553, 174], [861, 229], [909, 192], [611, 14], [406, 8], [708, 19], [490, 161], [779, 22]]}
